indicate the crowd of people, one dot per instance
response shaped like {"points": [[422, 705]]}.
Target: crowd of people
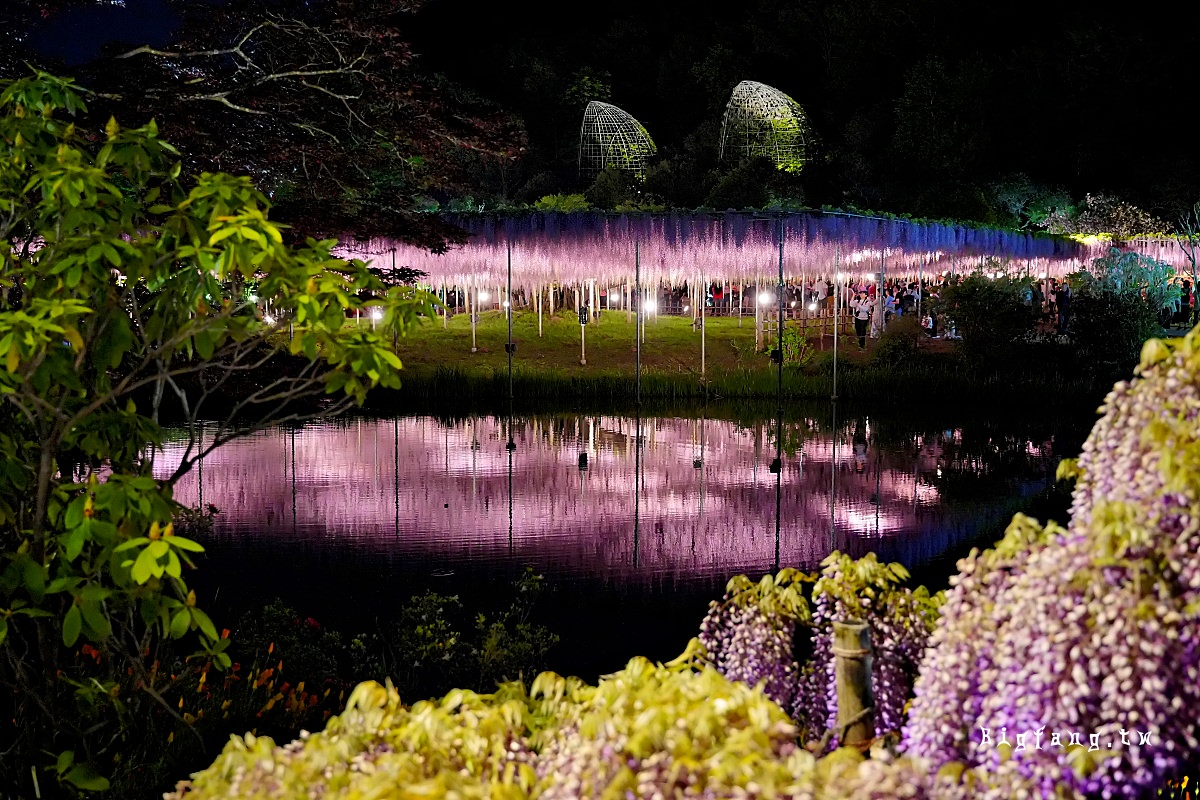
{"points": [[872, 305]]}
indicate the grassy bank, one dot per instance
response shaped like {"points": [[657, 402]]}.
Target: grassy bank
{"points": [[439, 365]]}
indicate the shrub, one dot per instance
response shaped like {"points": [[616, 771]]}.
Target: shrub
{"points": [[990, 315]]}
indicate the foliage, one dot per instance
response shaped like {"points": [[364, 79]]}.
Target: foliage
{"points": [[431, 646], [797, 351], [1115, 309], [1026, 202], [1124, 273], [321, 104], [745, 186], [125, 288], [612, 187], [1100, 213], [562, 203], [672, 731], [898, 343], [990, 314]]}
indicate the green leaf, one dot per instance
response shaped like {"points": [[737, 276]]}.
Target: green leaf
{"points": [[76, 537], [72, 624], [180, 623], [83, 776], [204, 623], [145, 567], [185, 544]]}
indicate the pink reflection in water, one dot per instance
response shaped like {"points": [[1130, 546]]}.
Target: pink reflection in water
{"points": [[705, 504]]}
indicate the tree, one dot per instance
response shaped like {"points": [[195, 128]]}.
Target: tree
{"points": [[131, 292], [1189, 236], [331, 118], [1101, 213]]}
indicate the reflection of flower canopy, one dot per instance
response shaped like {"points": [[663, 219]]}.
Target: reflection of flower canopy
{"points": [[763, 121], [611, 137]]}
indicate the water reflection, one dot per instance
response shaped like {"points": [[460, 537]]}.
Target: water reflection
{"points": [[661, 501]]}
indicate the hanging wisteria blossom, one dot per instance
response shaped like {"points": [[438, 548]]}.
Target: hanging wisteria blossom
{"points": [[1073, 656]]}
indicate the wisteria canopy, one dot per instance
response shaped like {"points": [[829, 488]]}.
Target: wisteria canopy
{"points": [[572, 249]]}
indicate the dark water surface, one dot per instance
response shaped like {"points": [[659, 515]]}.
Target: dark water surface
{"points": [[346, 520]]}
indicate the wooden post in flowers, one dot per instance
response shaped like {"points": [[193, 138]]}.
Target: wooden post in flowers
{"points": [[852, 673]]}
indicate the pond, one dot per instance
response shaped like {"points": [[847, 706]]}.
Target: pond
{"points": [[345, 520]]}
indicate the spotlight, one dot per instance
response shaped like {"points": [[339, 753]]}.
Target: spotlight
{"points": [[615, 297], [686, 309], [483, 297], [765, 298], [812, 306], [651, 305], [505, 304]]}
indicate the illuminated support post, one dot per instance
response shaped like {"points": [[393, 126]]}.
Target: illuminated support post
{"points": [[920, 291], [472, 312], [539, 310], [703, 307], [877, 323], [445, 309], [637, 272], [837, 293], [780, 322], [628, 304], [583, 321], [758, 322], [509, 347]]}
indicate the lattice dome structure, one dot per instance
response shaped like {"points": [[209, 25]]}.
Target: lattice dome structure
{"points": [[611, 137], [763, 121]]}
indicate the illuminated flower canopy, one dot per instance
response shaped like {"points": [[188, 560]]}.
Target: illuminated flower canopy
{"points": [[568, 249], [611, 137], [763, 121]]}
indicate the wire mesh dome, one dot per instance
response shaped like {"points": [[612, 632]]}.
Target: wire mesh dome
{"points": [[763, 121], [611, 137]]}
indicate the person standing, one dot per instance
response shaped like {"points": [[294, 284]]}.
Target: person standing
{"points": [[1062, 299], [861, 307]]}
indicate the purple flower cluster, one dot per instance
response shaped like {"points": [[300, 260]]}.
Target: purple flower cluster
{"points": [[745, 644], [748, 638], [1092, 630]]}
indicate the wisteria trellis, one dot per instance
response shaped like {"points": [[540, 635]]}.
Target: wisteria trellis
{"points": [[572, 249]]}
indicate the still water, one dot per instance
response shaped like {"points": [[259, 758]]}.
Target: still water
{"points": [[346, 519]]}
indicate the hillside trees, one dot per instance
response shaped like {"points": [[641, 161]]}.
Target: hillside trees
{"points": [[322, 105], [129, 291]]}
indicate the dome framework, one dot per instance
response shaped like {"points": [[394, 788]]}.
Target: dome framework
{"points": [[761, 121], [611, 137]]}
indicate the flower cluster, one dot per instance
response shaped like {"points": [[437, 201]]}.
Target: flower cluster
{"points": [[1093, 627], [750, 637]]}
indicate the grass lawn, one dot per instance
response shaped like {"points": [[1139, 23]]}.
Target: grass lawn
{"points": [[671, 345]]}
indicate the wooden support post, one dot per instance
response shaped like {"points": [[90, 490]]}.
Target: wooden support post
{"points": [[852, 673]]}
